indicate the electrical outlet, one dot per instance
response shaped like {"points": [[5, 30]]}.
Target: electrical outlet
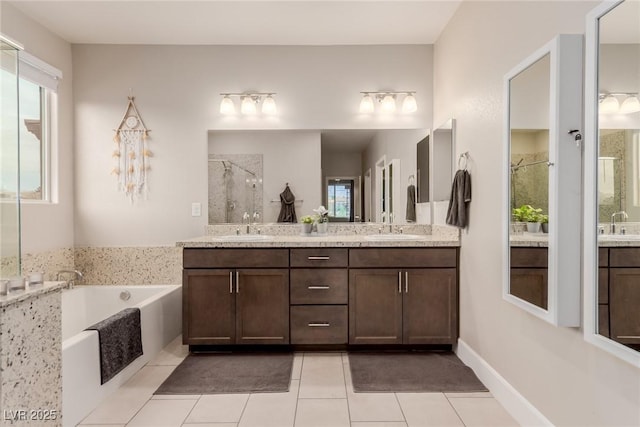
{"points": [[196, 209]]}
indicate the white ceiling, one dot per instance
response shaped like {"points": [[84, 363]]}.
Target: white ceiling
{"points": [[297, 22], [347, 141]]}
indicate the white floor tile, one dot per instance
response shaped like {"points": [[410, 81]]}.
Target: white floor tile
{"points": [[218, 408], [172, 355], [378, 424], [374, 407], [322, 376], [176, 396], [428, 410], [162, 413], [101, 425], [322, 413], [476, 412], [211, 425], [271, 409], [474, 394], [297, 366], [122, 405]]}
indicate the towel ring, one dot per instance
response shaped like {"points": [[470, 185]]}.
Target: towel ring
{"points": [[462, 160]]}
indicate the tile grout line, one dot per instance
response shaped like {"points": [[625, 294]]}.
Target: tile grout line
{"points": [[404, 417], [191, 410], [244, 408], [346, 391], [454, 409], [295, 412]]}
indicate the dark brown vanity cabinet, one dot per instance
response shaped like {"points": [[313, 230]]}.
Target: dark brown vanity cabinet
{"points": [[416, 303], [624, 290], [230, 296], [529, 273], [319, 295]]}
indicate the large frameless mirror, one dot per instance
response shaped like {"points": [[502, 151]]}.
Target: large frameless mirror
{"points": [[542, 176], [612, 180]]}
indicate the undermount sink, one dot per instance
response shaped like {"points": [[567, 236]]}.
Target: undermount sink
{"points": [[243, 238], [391, 237], [619, 236]]}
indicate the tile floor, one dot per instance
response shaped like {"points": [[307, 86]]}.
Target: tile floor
{"points": [[320, 395]]}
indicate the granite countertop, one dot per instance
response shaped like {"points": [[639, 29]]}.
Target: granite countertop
{"points": [[540, 240], [314, 241], [31, 292], [619, 240]]}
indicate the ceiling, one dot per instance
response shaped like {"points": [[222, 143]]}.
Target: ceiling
{"points": [[350, 141], [241, 22]]}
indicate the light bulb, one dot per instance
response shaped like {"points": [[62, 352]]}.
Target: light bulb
{"points": [[248, 105], [630, 105], [609, 105], [227, 106], [269, 106], [388, 104], [366, 104], [409, 105]]}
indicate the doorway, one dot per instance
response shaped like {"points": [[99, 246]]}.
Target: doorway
{"points": [[343, 199]]}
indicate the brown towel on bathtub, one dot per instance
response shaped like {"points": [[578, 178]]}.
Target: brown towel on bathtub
{"points": [[120, 340]]}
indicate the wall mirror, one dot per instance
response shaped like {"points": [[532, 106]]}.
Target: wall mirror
{"points": [[442, 170], [612, 180], [359, 175], [542, 170]]}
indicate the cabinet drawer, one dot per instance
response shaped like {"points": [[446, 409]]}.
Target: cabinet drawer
{"points": [[603, 257], [235, 258], [319, 257], [624, 257], [403, 257], [319, 324], [529, 257], [319, 286]]}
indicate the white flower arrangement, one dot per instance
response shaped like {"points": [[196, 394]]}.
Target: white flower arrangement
{"points": [[322, 215]]}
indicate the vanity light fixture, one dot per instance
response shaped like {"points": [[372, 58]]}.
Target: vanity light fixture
{"points": [[249, 103], [387, 101], [610, 104]]}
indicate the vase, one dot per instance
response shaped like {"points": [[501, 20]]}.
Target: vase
{"points": [[533, 227], [306, 228], [322, 227], [545, 227]]}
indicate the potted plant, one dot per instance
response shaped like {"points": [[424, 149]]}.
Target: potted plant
{"points": [[544, 220], [307, 224], [530, 215], [322, 219]]}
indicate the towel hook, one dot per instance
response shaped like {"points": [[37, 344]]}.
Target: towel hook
{"points": [[464, 157]]}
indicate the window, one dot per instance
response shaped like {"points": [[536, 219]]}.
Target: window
{"points": [[340, 200], [37, 85]]}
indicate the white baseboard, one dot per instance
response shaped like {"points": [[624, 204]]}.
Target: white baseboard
{"points": [[520, 408]]}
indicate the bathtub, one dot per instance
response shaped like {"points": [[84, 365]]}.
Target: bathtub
{"points": [[161, 320]]}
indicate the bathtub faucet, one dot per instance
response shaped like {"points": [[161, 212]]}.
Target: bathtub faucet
{"points": [[76, 275]]}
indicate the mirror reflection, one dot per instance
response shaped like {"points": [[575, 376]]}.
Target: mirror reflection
{"points": [[618, 175], [359, 175], [529, 102]]}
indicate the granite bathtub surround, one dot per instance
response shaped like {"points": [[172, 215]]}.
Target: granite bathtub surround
{"points": [[31, 357], [48, 262], [129, 265]]}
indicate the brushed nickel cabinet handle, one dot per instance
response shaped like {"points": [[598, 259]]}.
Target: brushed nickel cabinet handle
{"points": [[399, 282], [622, 337], [406, 282], [231, 282], [321, 287], [319, 324], [237, 282], [318, 258]]}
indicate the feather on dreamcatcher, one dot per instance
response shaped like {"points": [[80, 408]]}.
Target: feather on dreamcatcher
{"points": [[131, 153]]}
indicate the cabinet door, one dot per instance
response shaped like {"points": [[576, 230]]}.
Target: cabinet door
{"points": [[208, 307], [530, 284], [262, 311], [375, 306], [624, 315], [430, 314]]}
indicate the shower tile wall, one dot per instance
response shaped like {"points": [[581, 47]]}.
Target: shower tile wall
{"points": [[232, 190], [612, 144]]}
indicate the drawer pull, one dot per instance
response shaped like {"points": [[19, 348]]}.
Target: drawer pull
{"points": [[237, 282], [622, 337], [318, 258], [319, 324], [231, 282], [399, 282], [406, 282], [321, 287]]}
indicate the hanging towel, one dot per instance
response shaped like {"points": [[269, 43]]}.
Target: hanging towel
{"points": [[411, 203], [460, 197], [287, 208], [120, 341]]}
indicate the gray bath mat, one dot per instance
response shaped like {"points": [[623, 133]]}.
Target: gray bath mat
{"points": [[411, 372], [230, 373]]}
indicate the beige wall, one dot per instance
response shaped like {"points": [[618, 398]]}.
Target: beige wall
{"points": [[177, 93], [570, 381], [56, 231]]}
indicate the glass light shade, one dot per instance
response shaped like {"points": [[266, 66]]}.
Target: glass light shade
{"points": [[609, 105], [409, 105], [630, 105], [269, 106], [248, 105], [227, 106], [366, 104], [388, 104]]}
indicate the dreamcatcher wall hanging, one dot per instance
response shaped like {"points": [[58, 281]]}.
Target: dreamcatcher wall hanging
{"points": [[131, 153]]}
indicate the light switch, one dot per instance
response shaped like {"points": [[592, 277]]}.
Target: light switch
{"points": [[196, 209]]}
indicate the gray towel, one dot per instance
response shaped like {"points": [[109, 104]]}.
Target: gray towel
{"points": [[287, 208], [411, 203], [120, 340], [460, 197]]}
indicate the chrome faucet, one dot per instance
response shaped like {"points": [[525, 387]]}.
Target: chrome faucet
{"points": [[76, 275], [613, 220]]}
